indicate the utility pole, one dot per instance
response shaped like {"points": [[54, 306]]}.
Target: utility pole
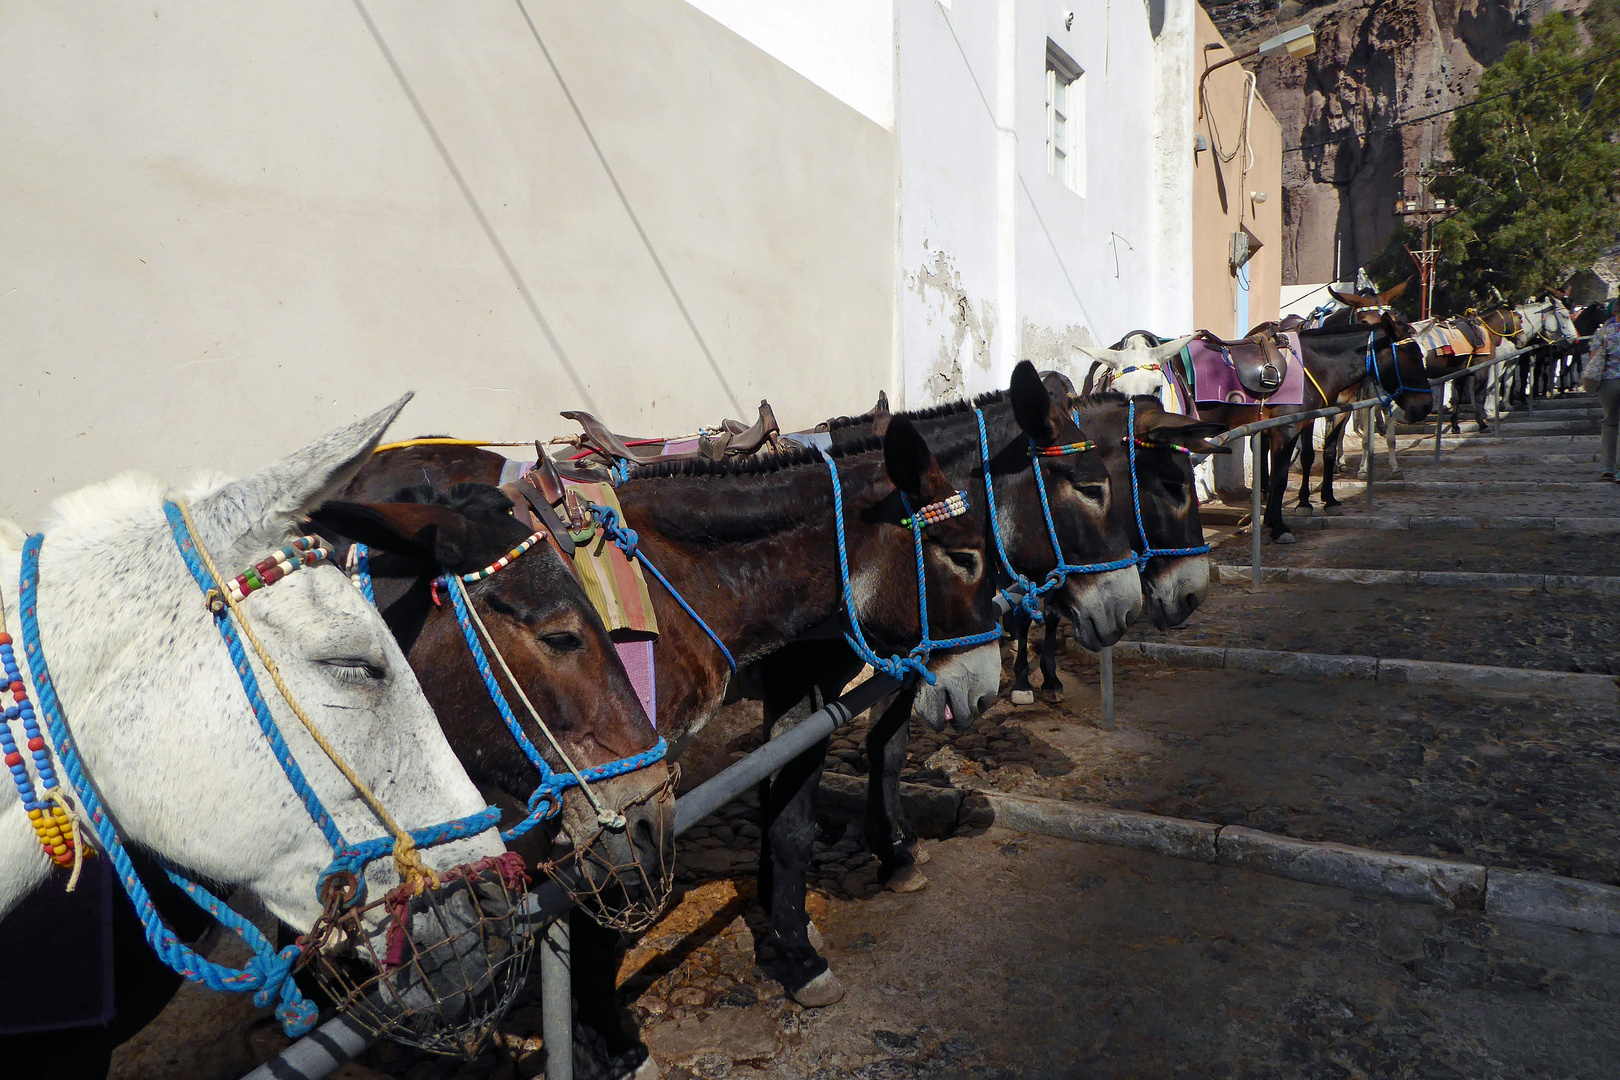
{"points": [[1429, 210]]}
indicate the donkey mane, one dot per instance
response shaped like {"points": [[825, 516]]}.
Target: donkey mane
{"points": [[751, 464], [706, 515], [933, 412], [478, 502]]}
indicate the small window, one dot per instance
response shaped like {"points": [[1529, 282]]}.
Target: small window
{"points": [[1065, 120]]}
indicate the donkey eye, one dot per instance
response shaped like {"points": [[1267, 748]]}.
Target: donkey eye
{"points": [[563, 642], [965, 560], [1176, 490], [1094, 492], [354, 669]]}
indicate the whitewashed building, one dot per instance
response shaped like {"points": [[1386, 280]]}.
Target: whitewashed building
{"points": [[226, 227]]}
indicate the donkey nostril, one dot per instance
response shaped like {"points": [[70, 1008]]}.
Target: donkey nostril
{"points": [[986, 701], [1193, 600]]}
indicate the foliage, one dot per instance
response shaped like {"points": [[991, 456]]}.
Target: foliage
{"points": [[1535, 172]]}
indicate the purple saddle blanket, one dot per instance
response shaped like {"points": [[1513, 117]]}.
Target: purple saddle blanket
{"points": [[1215, 380]]}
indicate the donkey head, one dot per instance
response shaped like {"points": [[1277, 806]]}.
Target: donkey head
{"points": [[160, 716], [555, 644], [960, 583], [1173, 585], [1084, 503]]}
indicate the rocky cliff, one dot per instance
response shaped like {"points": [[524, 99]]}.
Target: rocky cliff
{"points": [[1377, 63]]}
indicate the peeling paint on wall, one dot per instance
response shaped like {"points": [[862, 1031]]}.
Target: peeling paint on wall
{"points": [[971, 327], [1047, 347]]}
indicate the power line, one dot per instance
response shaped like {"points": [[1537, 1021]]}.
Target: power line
{"points": [[1457, 108]]}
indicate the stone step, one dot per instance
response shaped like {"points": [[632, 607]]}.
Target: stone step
{"points": [[1519, 428]]}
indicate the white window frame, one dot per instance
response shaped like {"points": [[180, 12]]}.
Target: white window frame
{"points": [[1065, 152]]}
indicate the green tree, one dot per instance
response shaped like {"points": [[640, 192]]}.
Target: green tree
{"points": [[1535, 167]]}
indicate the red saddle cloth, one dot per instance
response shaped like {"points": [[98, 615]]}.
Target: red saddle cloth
{"points": [[1215, 379]]}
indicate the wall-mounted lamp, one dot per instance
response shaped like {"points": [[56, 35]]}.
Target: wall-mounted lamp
{"points": [[1258, 196], [1200, 144], [1068, 20], [1294, 43]]}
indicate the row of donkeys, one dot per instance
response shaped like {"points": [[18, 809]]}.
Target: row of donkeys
{"points": [[1366, 348], [364, 693]]}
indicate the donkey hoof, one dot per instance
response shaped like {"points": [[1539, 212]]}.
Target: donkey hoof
{"points": [[1023, 697], [1304, 510], [819, 992], [907, 879], [648, 1070], [1395, 474], [813, 933], [1333, 511], [1052, 696], [1286, 538], [918, 853]]}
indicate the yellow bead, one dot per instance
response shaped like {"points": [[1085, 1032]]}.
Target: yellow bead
{"points": [[59, 849], [36, 814]]}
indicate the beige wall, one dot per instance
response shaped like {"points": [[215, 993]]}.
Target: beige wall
{"points": [[227, 227], [1215, 306]]}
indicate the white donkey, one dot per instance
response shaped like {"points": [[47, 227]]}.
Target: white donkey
{"points": [[1141, 365], [161, 722]]}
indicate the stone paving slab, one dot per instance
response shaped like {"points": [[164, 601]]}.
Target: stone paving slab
{"points": [[1509, 629], [1243, 577], [1477, 551]]}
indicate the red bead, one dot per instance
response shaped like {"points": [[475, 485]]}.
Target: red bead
{"points": [[5, 638], [13, 758], [36, 743], [20, 695], [16, 686]]}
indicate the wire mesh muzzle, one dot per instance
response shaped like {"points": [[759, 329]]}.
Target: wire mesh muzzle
{"points": [[624, 891], [452, 961]]}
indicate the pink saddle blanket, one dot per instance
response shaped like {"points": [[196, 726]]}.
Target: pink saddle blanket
{"points": [[1215, 380]]}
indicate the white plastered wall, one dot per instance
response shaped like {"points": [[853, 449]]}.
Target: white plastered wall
{"points": [[227, 227]]}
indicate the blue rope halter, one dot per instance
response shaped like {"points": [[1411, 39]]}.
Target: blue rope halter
{"points": [[916, 660], [269, 974], [628, 542], [1030, 604], [1386, 398], [1148, 550], [546, 799]]}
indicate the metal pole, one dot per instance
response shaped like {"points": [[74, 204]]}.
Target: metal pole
{"points": [[1439, 416], [556, 1001], [1367, 442], [1105, 665], [1254, 512]]}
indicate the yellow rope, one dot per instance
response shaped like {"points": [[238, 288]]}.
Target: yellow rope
{"points": [[407, 863], [404, 443]]}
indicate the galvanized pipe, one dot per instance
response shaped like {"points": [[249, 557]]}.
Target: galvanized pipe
{"points": [[1367, 451], [1105, 666], [557, 1001], [1255, 508]]}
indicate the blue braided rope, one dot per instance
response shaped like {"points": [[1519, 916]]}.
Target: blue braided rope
{"points": [[362, 571], [629, 542], [546, 800], [268, 976], [1385, 398], [1030, 603], [1148, 550]]}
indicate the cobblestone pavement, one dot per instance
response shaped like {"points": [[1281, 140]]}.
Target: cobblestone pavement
{"points": [[1037, 958]]}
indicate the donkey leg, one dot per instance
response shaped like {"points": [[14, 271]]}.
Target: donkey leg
{"points": [[603, 1047], [1051, 685], [1276, 482], [1307, 456], [885, 824], [790, 822], [1332, 443], [1023, 693]]}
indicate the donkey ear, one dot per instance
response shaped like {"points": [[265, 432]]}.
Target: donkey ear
{"points": [[437, 535], [264, 505], [1395, 293], [906, 456], [1156, 425], [1347, 301], [1031, 403]]}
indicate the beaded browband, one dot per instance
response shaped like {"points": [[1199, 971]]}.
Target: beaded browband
{"points": [[1063, 449], [505, 560], [298, 553], [936, 512], [1151, 445]]}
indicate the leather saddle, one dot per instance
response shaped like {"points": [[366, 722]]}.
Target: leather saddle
{"points": [[1471, 330], [1260, 361], [731, 438]]}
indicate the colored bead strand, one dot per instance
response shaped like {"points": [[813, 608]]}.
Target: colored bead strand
{"points": [[1065, 449], [1162, 446], [302, 551], [936, 512], [505, 560], [50, 823]]}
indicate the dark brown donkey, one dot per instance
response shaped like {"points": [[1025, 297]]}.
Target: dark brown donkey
{"points": [[750, 544]]}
